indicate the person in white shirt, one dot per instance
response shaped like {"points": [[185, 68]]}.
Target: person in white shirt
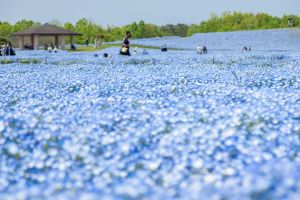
{"points": [[201, 49]]}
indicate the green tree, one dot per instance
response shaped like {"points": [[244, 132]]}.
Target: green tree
{"points": [[24, 24], [85, 27], [5, 29]]}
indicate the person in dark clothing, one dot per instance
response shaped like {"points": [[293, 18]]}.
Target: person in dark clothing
{"points": [[26, 46], [126, 44], [52, 45], [164, 48], [247, 49], [87, 42], [204, 50], [9, 51], [106, 55], [73, 47]]}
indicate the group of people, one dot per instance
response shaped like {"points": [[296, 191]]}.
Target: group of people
{"points": [[247, 48], [125, 48], [136, 51], [201, 49], [97, 43], [50, 47], [7, 50]]}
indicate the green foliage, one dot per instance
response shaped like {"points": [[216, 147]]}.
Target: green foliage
{"points": [[235, 21], [23, 25], [36, 61], [25, 61], [69, 26], [29, 61], [21, 61], [5, 29], [178, 30], [6, 61], [3, 40]]}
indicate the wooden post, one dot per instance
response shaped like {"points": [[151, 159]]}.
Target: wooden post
{"points": [[36, 42], [71, 40], [32, 40], [62, 42], [56, 42], [21, 42]]}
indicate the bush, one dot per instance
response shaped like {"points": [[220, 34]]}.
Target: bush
{"points": [[6, 61], [24, 61]]}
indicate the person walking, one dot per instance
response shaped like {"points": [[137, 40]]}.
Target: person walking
{"points": [[126, 44], [87, 42], [95, 43]]}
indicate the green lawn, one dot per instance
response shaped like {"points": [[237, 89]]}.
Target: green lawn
{"points": [[105, 46]]}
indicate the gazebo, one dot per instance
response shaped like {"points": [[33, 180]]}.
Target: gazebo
{"points": [[46, 30]]}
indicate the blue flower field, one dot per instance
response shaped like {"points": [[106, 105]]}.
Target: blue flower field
{"points": [[172, 125]]}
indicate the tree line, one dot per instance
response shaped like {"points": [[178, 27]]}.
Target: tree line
{"points": [[228, 21], [236, 21]]}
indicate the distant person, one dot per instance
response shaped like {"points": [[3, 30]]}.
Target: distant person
{"points": [[55, 50], [2, 50], [95, 43], [26, 46], [247, 48], [125, 48], [73, 48], [145, 52], [87, 42], [204, 50], [135, 50], [106, 55], [164, 48], [49, 49], [9, 51], [201, 49]]}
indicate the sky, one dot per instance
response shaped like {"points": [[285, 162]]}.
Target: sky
{"points": [[121, 12]]}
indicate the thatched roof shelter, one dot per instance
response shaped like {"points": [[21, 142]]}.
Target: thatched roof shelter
{"points": [[46, 30]]}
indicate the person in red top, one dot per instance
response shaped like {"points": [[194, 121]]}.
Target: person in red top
{"points": [[126, 44]]}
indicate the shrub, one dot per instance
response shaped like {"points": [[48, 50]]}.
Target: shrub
{"points": [[6, 61]]}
